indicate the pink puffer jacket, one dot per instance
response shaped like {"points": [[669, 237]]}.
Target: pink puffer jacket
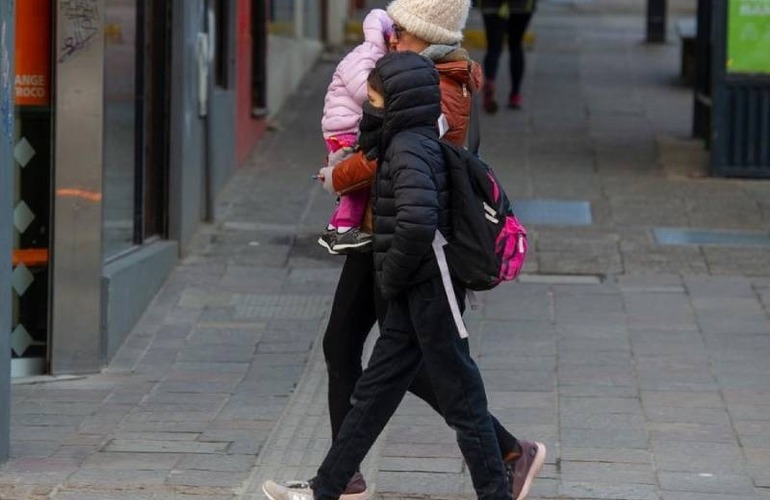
{"points": [[347, 91]]}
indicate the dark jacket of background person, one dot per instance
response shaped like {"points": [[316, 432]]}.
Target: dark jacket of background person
{"points": [[411, 197], [514, 6]]}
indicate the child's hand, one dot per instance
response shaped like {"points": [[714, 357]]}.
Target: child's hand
{"points": [[325, 176]]}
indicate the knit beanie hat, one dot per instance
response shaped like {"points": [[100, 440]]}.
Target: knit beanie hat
{"points": [[435, 21]]}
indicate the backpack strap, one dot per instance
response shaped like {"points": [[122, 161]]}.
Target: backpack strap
{"points": [[474, 127], [438, 248]]}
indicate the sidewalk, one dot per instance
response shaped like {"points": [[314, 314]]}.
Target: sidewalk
{"points": [[643, 366]]}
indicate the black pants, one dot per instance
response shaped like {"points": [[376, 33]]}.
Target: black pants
{"points": [[357, 306], [418, 334], [497, 28]]}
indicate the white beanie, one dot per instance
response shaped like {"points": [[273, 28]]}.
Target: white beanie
{"points": [[438, 22]]}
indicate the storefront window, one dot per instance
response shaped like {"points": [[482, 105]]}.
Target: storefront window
{"points": [[282, 17], [32, 200], [120, 162], [295, 18]]}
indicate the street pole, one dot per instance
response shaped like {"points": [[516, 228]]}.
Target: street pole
{"points": [[7, 21], [656, 21]]}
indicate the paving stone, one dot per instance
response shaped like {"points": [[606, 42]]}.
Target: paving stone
{"points": [[573, 489], [216, 463], [120, 460], [621, 405], [716, 482], [598, 472], [615, 422], [686, 415], [174, 446], [607, 455], [697, 457], [683, 495], [582, 438], [418, 483], [422, 464], [205, 478], [120, 478]]}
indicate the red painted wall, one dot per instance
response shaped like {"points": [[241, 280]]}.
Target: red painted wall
{"points": [[248, 129]]}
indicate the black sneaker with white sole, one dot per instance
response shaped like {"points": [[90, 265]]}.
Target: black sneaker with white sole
{"points": [[353, 239], [328, 239]]}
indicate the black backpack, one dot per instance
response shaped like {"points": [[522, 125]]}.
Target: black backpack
{"points": [[487, 244]]}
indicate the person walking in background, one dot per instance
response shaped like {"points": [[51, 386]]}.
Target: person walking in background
{"points": [[341, 117], [505, 18], [411, 203]]}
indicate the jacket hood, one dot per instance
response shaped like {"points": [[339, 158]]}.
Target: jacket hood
{"points": [[412, 93], [377, 28], [458, 66]]}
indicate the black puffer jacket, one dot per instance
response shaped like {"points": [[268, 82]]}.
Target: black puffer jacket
{"points": [[411, 198]]}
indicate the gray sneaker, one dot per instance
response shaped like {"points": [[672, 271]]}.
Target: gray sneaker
{"points": [[301, 490], [328, 239], [353, 239], [291, 490]]}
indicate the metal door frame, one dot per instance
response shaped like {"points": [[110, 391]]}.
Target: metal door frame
{"points": [[7, 51]]}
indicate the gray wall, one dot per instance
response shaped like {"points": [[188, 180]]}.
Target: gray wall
{"points": [[187, 129], [288, 60], [202, 150], [221, 119], [129, 286], [6, 210]]}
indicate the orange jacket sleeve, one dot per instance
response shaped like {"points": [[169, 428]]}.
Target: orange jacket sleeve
{"points": [[353, 173]]}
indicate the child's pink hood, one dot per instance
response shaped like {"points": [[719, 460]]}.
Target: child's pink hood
{"points": [[347, 91]]}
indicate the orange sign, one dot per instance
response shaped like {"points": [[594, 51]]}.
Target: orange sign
{"points": [[33, 52]]}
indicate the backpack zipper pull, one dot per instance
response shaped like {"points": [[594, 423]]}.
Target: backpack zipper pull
{"points": [[465, 90]]}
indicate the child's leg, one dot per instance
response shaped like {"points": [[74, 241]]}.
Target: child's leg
{"points": [[459, 388], [333, 218], [350, 211], [394, 361]]}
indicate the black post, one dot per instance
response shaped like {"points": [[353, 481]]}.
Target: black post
{"points": [[656, 21], [701, 123]]}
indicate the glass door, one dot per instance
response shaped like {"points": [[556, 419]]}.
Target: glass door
{"points": [[32, 200]]}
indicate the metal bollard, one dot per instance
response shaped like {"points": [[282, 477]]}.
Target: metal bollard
{"points": [[656, 21]]}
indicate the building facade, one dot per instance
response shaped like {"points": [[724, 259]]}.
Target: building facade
{"points": [[121, 122]]}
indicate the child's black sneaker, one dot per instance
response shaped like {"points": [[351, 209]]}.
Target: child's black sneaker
{"points": [[353, 239], [328, 239]]}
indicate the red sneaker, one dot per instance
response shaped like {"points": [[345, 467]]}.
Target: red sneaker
{"points": [[356, 489], [515, 101], [526, 468]]}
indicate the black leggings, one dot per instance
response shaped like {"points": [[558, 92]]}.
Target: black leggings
{"points": [[357, 305], [496, 29]]}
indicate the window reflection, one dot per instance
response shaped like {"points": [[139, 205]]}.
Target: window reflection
{"points": [[119, 124]]}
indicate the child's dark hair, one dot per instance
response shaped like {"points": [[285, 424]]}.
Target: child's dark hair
{"points": [[375, 82]]}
